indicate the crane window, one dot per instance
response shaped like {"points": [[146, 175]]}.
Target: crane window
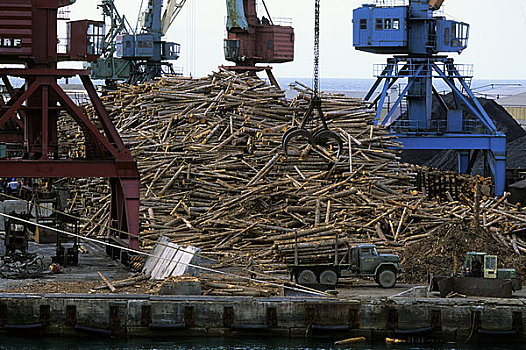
{"points": [[144, 44], [396, 24], [95, 38], [446, 36], [379, 24], [270, 45], [363, 23], [387, 23]]}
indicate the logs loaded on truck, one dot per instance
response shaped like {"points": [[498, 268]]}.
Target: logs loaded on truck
{"points": [[358, 261]]}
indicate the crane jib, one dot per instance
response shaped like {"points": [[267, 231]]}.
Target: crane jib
{"points": [[236, 15], [172, 9], [435, 4]]}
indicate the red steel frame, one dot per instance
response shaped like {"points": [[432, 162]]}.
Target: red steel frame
{"points": [[35, 108], [253, 44]]}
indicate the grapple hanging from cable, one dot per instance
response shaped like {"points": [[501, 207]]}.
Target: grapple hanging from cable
{"points": [[322, 137]]}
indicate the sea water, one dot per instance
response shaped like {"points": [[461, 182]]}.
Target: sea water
{"points": [[23, 343], [480, 86]]}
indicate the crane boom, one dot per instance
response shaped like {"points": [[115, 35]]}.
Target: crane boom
{"points": [[435, 4], [171, 11]]}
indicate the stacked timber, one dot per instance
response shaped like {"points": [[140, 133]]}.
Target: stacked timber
{"points": [[214, 176], [446, 185]]}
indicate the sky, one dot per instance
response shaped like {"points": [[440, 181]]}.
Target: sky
{"points": [[497, 44]]}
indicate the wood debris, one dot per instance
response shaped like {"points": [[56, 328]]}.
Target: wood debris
{"points": [[214, 176]]}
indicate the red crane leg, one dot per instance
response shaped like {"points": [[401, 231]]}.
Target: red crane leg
{"points": [[36, 106], [106, 156], [124, 220]]}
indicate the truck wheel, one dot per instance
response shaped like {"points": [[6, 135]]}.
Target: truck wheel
{"points": [[329, 277], [386, 278], [307, 277]]}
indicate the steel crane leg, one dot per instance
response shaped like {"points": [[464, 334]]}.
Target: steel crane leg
{"points": [[42, 99]]}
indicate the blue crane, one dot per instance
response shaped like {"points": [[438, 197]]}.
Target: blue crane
{"points": [[417, 34]]}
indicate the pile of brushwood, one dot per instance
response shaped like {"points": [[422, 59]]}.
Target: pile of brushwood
{"points": [[214, 175]]}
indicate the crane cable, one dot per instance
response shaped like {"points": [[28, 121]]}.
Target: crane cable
{"points": [[142, 238], [316, 78], [521, 5], [191, 39]]}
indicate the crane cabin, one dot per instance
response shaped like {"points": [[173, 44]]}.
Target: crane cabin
{"points": [[411, 28]]}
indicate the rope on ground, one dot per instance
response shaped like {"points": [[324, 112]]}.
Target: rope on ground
{"points": [[161, 258], [127, 233]]}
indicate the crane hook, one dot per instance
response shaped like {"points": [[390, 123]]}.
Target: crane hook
{"points": [[324, 136], [321, 137]]}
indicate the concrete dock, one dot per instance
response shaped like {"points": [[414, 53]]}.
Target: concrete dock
{"points": [[126, 315], [361, 308]]}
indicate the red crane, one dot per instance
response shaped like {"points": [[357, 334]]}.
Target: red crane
{"points": [[252, 40], [29, 117]]}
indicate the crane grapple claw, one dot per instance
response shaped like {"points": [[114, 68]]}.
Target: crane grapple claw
{"points": [[294, 133], [327, 138]]}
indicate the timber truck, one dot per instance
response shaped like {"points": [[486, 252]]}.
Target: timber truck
{"points": [[359, 261]]}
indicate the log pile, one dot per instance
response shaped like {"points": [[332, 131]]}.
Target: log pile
{"points": [[214, 176], [446, 185]]}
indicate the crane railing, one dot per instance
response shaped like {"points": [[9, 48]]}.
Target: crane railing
{"points": [[418, 68], [391, 3], [64, 13], [282, 21]]}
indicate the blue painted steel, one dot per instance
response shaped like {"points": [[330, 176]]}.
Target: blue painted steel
{"points": [[236, 15], [459, 141], [478, 110], [463, 161], [455, 120], [367, 36], [399, 99], [137, 46], [497, 164], [413, 30], [409, 29], [147, 48], [382, 98]]}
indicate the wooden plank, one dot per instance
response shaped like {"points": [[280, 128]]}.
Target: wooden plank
{"points": [[152, 261]]}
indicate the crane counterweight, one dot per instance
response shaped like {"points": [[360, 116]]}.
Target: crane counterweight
{"points": [[252, 40]]}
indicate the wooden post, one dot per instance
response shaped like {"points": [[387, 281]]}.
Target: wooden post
{"points": [[336, 246], [296, 258]]}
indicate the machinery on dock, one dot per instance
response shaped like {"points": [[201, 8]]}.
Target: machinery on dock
{"points": [[252, 40], [142, 56], [483, 265], [480, 277], [417, 34], [16, 234], [360, 261], [29, 40]]}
